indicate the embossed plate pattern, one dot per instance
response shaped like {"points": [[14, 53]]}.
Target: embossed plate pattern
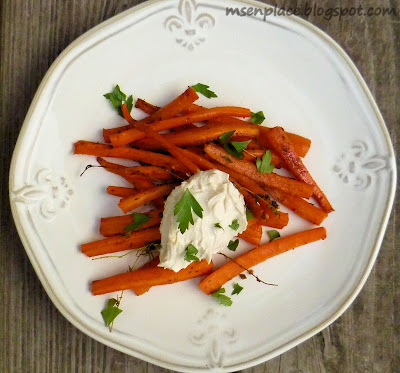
{"points": [[284, 66]]}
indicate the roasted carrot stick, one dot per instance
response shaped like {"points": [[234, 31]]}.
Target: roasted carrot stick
{"points": [[258, 255], [140, 181], [109, 131], [173, 108], [150, 109], [145, 106], [302, 208], [114, 225], [299, 206], [200, 135], [119, 169], [130, 203], [279, 141], [141, 289], [170, 110], [127, 115], [162, 113], [135, 240], [251, 202], [253, 232], [121, 191], [172, 149], [274, 218], [301, 144], [271, 180], [251, 155], [104, 150], [153, 172], [126, 137], [150, 276]]}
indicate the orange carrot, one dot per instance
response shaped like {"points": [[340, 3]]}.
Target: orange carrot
{"points": [[301, 144], [251, 202], [119, 169], [271, 180], [200, 135], [127, 114], [104, 150], [121, 191], [126, 137], [299, 206], [153, 172], [140, 181], [251, 155], [150, 276], [253, 232], [114, 168], [173, 108], [109, 131], [274, 218], [141, 289], [140, 104], [280, 142], [150, 109], [145, 106], [130, 203], [114, 225], [172, 149], [258, 255], [109, 245]]}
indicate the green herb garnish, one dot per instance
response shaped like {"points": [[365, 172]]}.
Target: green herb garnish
{"points": [[273, 234], [232, 245], [257, 118], [240, 145], [222, 299], [234, 148], [203, 89], [225, 137], [237, 289], [217, 225], [138, 220], [111, 311], [184, 208], [190, 254], [249, 215], [117, 98], [265, 166], [234, 225]]}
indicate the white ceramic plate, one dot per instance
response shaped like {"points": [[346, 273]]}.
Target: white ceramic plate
{"points": [[284, 66]]}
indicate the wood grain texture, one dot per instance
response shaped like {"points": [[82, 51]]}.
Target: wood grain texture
{"points": [[34, 336]]}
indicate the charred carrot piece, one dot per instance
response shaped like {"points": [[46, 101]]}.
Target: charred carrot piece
{"points": [[279, 141], [130, 203], [104, 150], [149, 276], [135, 240], [271, 180], [114, 225], [129, 136], [258, 255]]}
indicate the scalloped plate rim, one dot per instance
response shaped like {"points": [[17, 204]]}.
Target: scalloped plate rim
{"points": [[67, 56]]}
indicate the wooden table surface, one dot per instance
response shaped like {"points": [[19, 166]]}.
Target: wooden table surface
{"points": [[35, 337]]}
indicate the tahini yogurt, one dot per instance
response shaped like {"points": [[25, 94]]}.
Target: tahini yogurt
{"points": [[223, 206]]}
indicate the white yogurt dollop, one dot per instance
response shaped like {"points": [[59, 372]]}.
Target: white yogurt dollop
{"points": [[223, 205]]}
